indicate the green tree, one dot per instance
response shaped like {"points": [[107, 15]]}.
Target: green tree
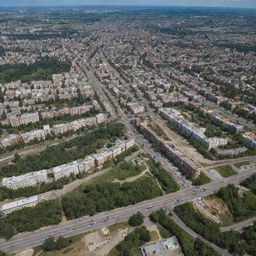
{"points": [[136, 220], [49, 244], [61, 243]]}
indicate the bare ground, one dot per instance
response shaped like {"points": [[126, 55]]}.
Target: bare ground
{"points": [[215, 209]]}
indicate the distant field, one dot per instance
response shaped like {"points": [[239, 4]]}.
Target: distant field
{"points": [[40, 70]]}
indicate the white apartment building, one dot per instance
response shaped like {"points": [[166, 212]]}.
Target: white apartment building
{"points": [[191, 129], [250, 140], [17, 205], [136, 108], [26, 180], [89, 163], [226, 123], [65, 170]]}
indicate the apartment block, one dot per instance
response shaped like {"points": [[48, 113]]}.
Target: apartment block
{"points": [[65, 170], [102, 157], [10, 140], [173, 153], [250, 140], [24, 119], [26, 180], [36, 134], [191, 129], [89, 163], [101, 118], [136, 108], [129, 143], [232, 127], [20, 204]]}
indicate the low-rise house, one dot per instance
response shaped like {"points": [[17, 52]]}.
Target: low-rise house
{"points": [[166, 247]]}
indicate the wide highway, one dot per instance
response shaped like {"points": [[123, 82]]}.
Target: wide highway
{"points": [[28, 240]]}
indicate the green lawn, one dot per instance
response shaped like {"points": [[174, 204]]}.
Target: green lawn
{"points": [[225, 171], [201, 180]]}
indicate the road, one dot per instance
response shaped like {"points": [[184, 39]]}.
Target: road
{"points": [[28, 240], [240, 225], [144, 144], [195, 235], [74, 227]]}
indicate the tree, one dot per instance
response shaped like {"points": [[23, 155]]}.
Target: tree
{"points": [[49, 244], [61, 243], [2, 253], [136, 219], [145, 235], [16, 158]]}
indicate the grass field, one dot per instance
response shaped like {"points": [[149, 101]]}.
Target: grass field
{"points": [[225, 171]]}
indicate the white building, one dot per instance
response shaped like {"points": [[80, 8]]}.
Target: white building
{"points": [[129, 143], [166, 247], [135, 108], [17, 205], [65, 170], [232, 127], [250, 140], [101, 118], [191, 129], [89, 163], [26, 180]]}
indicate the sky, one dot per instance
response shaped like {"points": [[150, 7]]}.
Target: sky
{"points": [[212, 3]]}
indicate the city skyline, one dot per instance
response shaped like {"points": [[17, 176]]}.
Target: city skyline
{"points": [[210, 3]]}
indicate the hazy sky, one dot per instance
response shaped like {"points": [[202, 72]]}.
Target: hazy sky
{"points": [[224, 3]]}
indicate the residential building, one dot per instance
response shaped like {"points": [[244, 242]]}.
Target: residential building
{"points": [[230, 126], [250, 140], [19, 204], [24, 119], [65, 170], [166, 247], [10, 140], [174, 154], [26, 180], [191, 129], [135, 108]]}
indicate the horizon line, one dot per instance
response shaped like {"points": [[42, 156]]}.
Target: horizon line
{"points": [[123, 5]]}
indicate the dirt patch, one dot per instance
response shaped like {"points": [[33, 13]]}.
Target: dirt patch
{"points": [[183, 143], [99, 243], [241, 190], [131, 179], [215, 209], [28, 252]]}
